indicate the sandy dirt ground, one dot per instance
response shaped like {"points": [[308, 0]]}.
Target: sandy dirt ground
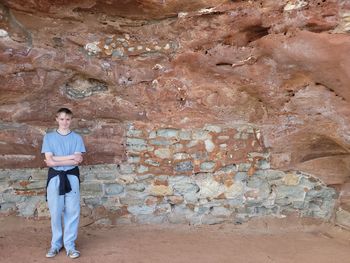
{"points": [[263, 240]]}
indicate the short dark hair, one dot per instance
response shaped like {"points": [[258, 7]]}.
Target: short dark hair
{"points": [[64, 110]]}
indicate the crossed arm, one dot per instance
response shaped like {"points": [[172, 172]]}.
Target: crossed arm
{"points": [[73, 159]]}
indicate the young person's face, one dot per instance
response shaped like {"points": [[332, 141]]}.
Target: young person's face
{"points": [[64, 121]]}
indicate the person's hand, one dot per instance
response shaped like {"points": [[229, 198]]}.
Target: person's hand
{"points": [[78, 158], [49, 163]]}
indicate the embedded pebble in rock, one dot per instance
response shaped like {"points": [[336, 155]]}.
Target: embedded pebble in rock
{"points": [[207, 166], [209, 145], [181, 156], [163, 153], [293, 5], [93, 48], [184, 166], [3, 33]]}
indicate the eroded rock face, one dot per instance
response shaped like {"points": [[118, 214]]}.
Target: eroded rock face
{"points": [[281, 66]]}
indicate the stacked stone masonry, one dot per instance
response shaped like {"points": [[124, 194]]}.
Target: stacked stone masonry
{"points": [[205, 175]]}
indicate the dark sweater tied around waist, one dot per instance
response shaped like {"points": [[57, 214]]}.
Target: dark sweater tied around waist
{"points": [[64, 186]]}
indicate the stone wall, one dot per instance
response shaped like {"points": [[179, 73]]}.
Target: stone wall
{"points": [[205, 175]]}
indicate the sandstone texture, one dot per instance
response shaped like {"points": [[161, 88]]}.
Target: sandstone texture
{"points": [[192, 111]]}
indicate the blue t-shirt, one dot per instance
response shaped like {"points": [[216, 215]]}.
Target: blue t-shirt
{"points": [[63, 145]]}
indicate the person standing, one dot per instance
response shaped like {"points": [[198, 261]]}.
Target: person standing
{"points": [[63, 151]]}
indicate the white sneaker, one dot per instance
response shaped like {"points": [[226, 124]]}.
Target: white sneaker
{"points": [[73, 254], [52, 253]]}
